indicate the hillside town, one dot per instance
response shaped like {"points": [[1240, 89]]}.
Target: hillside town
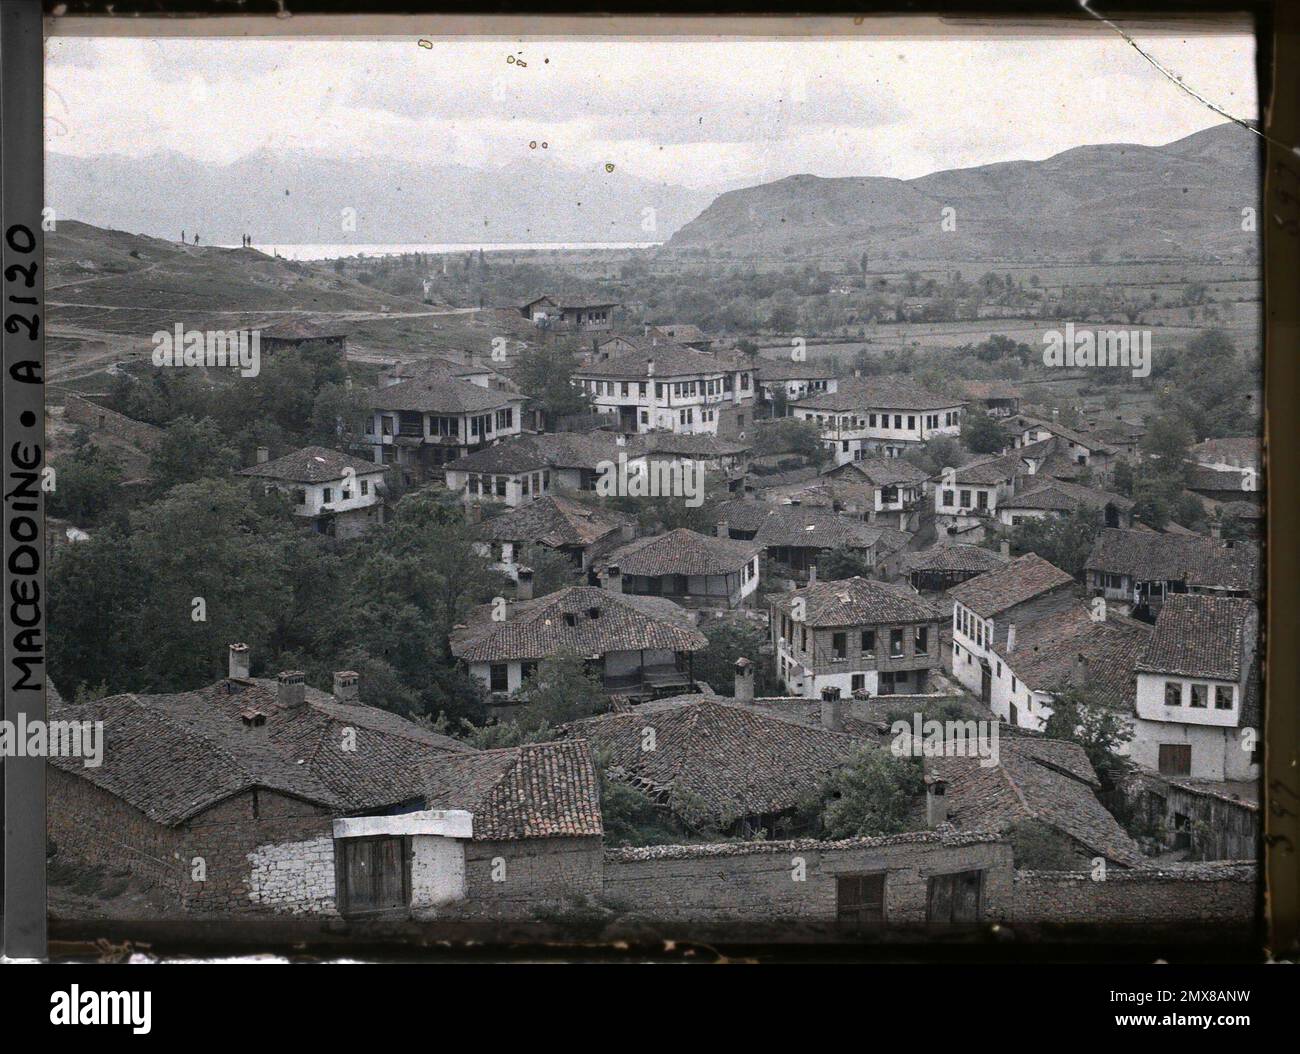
{"points": [[614, 624]]}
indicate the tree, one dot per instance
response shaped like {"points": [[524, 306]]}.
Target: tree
{"points": [[715, 665], [561, 690], [190, 450], [981, 434], [872, 795], [1037, 847], [88, 486], [1064, 540], [843, 562], [545, 375], [1102, 732], [790, 435]]}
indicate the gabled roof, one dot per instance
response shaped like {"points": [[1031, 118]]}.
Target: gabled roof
{"points": [[667, 359], [173, 756], [1243, 451], [570, 300], [989, 471], [862, 394], [1201, 562], [554, 522], [1200, 636], [701, 446], [528, 453], [538, 790], [994, 592], [579, 620], [857, 602], [311, 464], [683, 552], [1058, 495], [1044, 779], [1022, 422], [954, 558], [815, 527], [1048, 648], [433, 391], [882, 471], [714, 753]]}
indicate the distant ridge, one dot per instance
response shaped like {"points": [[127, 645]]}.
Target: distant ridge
{"points": [[1183, 200]]}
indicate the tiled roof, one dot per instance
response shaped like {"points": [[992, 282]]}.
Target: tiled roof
{"points": [[1201, 478], [571, 299], [683, 552], [954, 558], [668, 359], [858, 602], [173, 756], [1022, 422], [882, 471], [681, 331], [1200, 636], [530, 453], [743, 514], [815, 527], [1244, 451], [1199, 561], [433, 391], [723, 755], [997, 591], [1044, 779], [875, 393], [555, 522], [1048, 647], [701, 446], [989, 471], [538, 790], [1058, 495], [311, 464], [562, 623]]}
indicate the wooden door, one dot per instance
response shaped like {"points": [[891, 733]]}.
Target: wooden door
{"points": [[374, 874], [860, 899], [956, 899]]}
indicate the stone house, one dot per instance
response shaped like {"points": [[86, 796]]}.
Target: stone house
{"points": [[1142, 569], [523, 469], [984, 609], [569, 313], [340, 495], [1197, 707], [941, 567], [655, 385], [639, 646], [967, 499], [695, 570], [857, 636], [584, 533], [878, 416], [1053, 498], [795, 535]]}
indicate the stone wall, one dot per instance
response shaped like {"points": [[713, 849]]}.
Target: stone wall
{"points": [[515, 877], [767, 882], [297, 877], [82, 411]]}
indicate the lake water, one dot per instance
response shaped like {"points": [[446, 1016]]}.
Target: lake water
{"points": [[329, 252]]}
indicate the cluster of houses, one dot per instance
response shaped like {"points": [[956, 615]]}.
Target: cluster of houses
{"points": [[885, 589]]}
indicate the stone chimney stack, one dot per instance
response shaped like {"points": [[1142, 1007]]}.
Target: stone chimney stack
{"points": [[1006, 550], [263, 455], [936, 800], [346, 689], [524, 583], [474, 512], [722, 530], [613, 579], [832, 710], [1216, 530], [291, 689], [1011, 638], [627, 532], [812, 574], [744, 690], [238, 665], [1079, 674]]}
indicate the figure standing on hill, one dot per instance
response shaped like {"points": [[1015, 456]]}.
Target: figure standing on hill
{"points": [[182, 237], [196, 237]]}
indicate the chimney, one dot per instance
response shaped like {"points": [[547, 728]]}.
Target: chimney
{"points": [[627, 531], [238, 665], [812, 574], [613, 579], [1006, 550], [345, 687], [524, 583], [650, 367], [723, 530], [1216, 530], [474, 513], [263, 455], [936, 799], [1079, 675], [832, 709], [744, 690], [291, 689], [1011, 638]]}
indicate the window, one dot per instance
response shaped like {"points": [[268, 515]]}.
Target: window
{"points": [[922, 641], [1200, 696], [499, 677], [1173, 693], [803, 638], [982, 500], [300, 496], [858, 682], [911, 423], [860, 899], [898, 421], [1223, 697], [869, 642], [839, 646], [327, 495], [965, 499], [365, 486], [949, 498], [895, 643], [1175, 759]]}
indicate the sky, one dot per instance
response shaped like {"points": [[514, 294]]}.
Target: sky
{"points": [[706, 114]]}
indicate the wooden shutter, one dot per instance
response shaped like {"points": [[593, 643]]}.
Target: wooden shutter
{"points": [[1175, 759], [860, 898], [956, 898]]}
